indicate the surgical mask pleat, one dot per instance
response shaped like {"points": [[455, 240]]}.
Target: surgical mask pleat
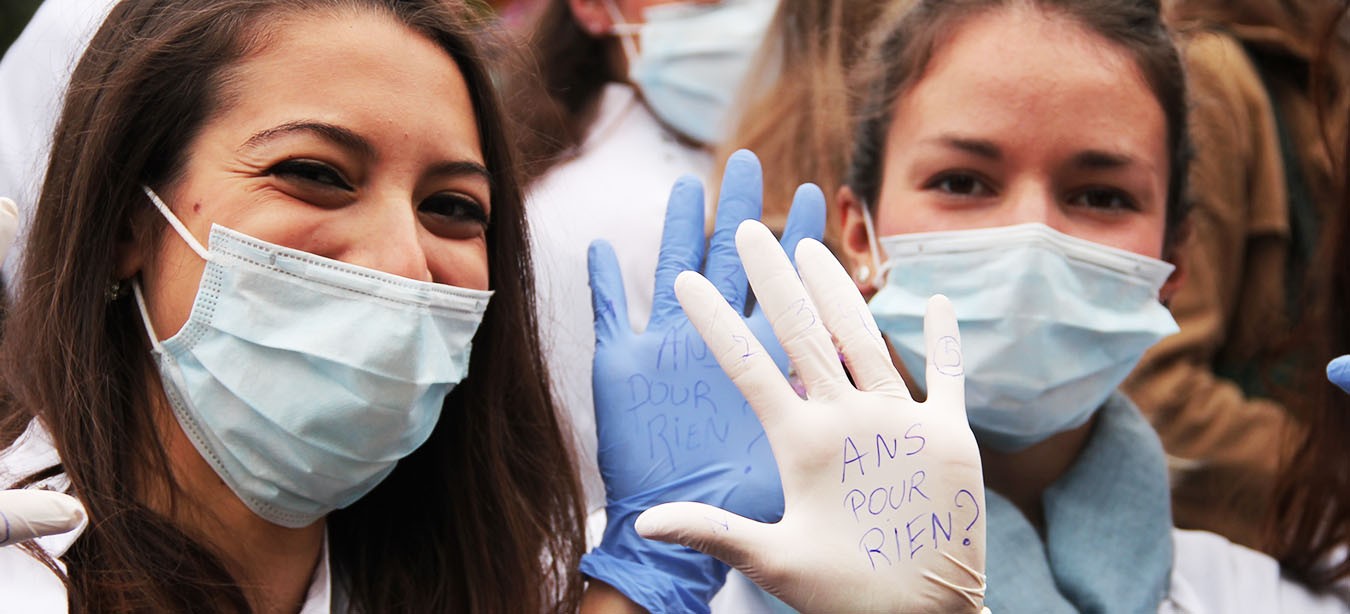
{"points": [[694, 61], [1050, 324]]}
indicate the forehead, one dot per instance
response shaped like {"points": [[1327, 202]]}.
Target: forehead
{"points": [[356, 68], [1038, 78]]}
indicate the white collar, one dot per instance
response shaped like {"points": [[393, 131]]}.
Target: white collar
{"points": [[34, 451], [322, 598]]}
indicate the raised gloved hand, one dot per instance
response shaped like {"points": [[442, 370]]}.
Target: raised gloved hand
{"points": [[671, 425], [1338, 371], [9, 226], [884, 496], [30, 513]]}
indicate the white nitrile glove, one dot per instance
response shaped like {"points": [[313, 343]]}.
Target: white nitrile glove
{"points": [[884, 497], [9, 225], [29, 513]]}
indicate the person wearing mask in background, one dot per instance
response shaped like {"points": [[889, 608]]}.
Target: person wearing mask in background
{"points": [[617, 99], [1226, 391], [1043, 195]]}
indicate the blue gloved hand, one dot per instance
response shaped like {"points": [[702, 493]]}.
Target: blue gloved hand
{"points": [[1338, 371], [671, 425]]}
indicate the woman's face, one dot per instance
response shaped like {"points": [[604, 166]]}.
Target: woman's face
{"points": [[1024, 117], [349, 136]]}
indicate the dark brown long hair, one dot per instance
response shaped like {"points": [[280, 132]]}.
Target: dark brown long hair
{"points": [[1309, 521], [901, 49], [487, 516], [553, 86]]}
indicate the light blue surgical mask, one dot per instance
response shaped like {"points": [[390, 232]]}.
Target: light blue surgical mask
{"points": [[303, 380], [694, 60], [1050, 324]]}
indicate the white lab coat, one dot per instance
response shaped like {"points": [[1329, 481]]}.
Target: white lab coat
{"points": [[29, 587], [615, 189], [1211, 575], [33, 78]]}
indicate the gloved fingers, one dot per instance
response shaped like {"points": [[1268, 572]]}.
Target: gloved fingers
{"points": [[806, 218], [681, 246], [9, 226], [946, 374], [736, 349], [27, 514], [741, 199], [608, 301], [793, 315], [1338, 371], [847, 317], [731, 538]]}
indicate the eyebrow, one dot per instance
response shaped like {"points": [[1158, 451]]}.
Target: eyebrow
{"points": [[1101, 160], [1092, 159], [978, 147], [460, 168], [355, 142], [342, 136]]}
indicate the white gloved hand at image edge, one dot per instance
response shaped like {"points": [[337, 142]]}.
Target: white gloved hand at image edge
{"points": [[28, 514], [9, 226]]}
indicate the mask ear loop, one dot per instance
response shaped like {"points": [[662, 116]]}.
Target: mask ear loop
{"points": [[145, 315], [625, 31], [879, 269], [177, 225], [136, 282]]}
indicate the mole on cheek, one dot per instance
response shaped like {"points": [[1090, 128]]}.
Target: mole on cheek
{"points": [[197, 208]]}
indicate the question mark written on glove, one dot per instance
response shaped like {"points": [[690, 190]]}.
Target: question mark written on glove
{"points": [[901, 520], [898, 520]]}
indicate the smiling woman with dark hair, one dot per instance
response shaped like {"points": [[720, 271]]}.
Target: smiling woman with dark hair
{"points": [[272, 228]]}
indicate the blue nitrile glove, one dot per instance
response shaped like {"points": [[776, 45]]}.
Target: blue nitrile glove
{"points": [[671, 425], [1338, 371]]}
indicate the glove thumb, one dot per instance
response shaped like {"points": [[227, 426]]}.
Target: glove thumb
{"points": [[733, 539], [27, 514]]}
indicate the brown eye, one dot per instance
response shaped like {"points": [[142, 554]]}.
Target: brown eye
{"points": [[959, 184], [452, 214], [1105, 199], [311, 172]]}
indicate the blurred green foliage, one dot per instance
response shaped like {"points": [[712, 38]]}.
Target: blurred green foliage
{"points": [[14, 16]]}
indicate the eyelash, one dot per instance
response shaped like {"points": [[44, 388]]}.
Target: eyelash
{"points": [[452, 206], [937, 182], [1124, 201], [462, 207], [312, 172]]}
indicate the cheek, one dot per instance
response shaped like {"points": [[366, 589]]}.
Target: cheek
{"points": [[170, 281], [910, 211], [1138, 233], [460, 263]]}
